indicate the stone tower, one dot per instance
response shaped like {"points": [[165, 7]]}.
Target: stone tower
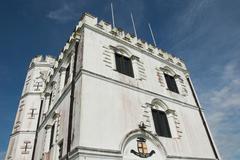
{"points": [[113, 96], [21, 142]]}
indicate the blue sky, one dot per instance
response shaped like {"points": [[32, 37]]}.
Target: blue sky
{"points": [[205, 33]]}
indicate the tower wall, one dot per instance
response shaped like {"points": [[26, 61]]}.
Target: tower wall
{"points": [[113, 105], [23, 134]]}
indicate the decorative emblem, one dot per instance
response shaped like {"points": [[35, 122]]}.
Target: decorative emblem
{"points": [[39, 82], [37, 86], [142, 149]]}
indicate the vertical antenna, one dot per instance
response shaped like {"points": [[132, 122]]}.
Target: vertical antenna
{"points": [[113, 21], [150, 28], [134, 28]]}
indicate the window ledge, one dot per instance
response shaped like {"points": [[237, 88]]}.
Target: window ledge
{"points": [[123, 74], [177, 93]]}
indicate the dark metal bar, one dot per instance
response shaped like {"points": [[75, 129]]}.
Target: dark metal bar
{"points": [[72, 101], [38, 122], [203, 120]]}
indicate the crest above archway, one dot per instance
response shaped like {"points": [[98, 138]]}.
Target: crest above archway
{"points": [[142, 144]]}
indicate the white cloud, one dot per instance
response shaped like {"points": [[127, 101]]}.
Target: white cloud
{"points": [[228, 95], [186, 21], [63, 14], [231, 71]]}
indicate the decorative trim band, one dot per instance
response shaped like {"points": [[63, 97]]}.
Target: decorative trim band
{"points": [[156, 95]]}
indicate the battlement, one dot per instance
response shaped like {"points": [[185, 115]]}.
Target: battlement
{"points": [[103, 26], [41, 60], [129, 38], [89, 20]]}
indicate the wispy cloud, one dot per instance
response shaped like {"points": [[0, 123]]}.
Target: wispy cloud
{"points": [[228, 95], [63, 14], [223, 110], [213, 49], [191, 23]]}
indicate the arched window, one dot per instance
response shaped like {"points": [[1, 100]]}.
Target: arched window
{"points": [[160, 115], [123, 62], [124, 65], [161, 123], [170, 76]]}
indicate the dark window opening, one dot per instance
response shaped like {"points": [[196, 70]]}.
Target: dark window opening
{"points": [[161, 123], [52, 136], [50, 99], [124, 65], [26, 147], [67, 74], [32, 113], [171, 83], [60, 145]]}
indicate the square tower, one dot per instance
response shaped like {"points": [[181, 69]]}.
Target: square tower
{"points": [[113, 96]]}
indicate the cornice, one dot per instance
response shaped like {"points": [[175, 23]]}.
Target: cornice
{"points": [[30, 93], [148, 92], [22, 132]]}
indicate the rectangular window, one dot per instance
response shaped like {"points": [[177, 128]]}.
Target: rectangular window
{"points": [[52, 136], [171, 83], [67, 74], [32, 112], [50, 99], [161, 123], [124, 65], [26, 147]]}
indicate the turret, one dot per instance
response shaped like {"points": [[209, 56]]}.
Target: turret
{"points": [[25, 125]]}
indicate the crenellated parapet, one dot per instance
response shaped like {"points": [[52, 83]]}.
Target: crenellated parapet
{"points": [[41, 60], [92, 21], [89, 20], [100, 25]]}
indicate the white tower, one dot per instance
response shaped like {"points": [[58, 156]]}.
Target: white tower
{"points": [[111, 96], [22, 138]]}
